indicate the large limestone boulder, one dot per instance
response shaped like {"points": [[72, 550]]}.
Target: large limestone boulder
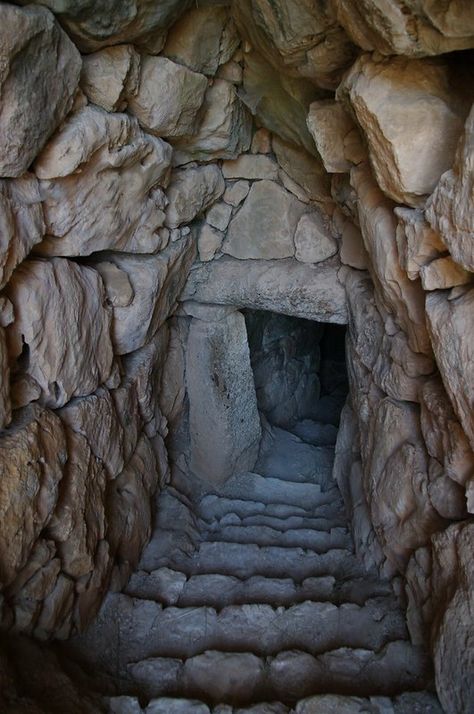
{"points": [[21, 222], [110, 76], [402, 297], [60, 338], [202, 39], [450, 322], [224, 131], [157, 281], [450, 209], [396, 481], [298, 37], [414, 27], [169, 97], [101, 182], [285, 286], [260, 231], [38, 80], [453, 631], [191, 191], [32, 457], [93, 25], [225, 436], [412, 115]]}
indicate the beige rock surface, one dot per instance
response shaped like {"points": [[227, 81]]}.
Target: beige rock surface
{"points": [[412, 115], [443, 273], [143, 22], [209, 242], [450, 209], [313, 240], [306, 170], [224, 131], [110, 76], [450, 323], [203, 39], [101, 182], [21, 222], [157, 281], [63, 323], [258, 231], [191, 191], [412, 28], [251, 166], [32, 453], [38, 80], [168, 98], [417, 243], [332, 129]]}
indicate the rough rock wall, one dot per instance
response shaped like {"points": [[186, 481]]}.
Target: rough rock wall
{"points": [[318, 156]]}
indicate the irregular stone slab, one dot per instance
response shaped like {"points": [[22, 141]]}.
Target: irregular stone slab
{"points": [[209, 242], [109, 77], [453, 635], [403, 298], [352, 249], [32, 457], [225, 435], [165, 705], [313, 241], [225, 128], [450, 322], [306, 170], [285, 286], [408, 28], [407, 703], [169, 97], [219, 215], [260, 231], [451, 208], [425, 110], [251, 166], [443, 273], [418, 244], [66, 357], [203, 39], [21, 222], [236, 192], [142, 22], [40, 74], [191, 191], [297, 38], [78, 523], [396, 481], [100, 183], [157, 281], [335, 135]]}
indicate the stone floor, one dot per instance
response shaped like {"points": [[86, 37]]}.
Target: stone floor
{"points": [[250, 592]]}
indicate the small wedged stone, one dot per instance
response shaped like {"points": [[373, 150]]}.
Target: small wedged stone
{"points": [[313, 241], [168, 97], [335, 135], [40, 74], [418, 244], [101, 183], [110, 76], [191, 191]]}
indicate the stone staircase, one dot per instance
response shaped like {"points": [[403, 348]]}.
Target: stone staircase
{"points": [[251, 592]]}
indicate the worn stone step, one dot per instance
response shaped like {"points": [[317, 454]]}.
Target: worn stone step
{"points": [[244, 678], [317, 541], [151, 630], [265, 489], [213, 507], [171, 587], [282, 525], [245, 560]]}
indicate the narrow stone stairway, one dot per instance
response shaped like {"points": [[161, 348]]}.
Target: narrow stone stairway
{"points": [[250, 592]]}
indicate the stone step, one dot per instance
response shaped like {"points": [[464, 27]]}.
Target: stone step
{"points": [[151, 630], [214, 507], [245, 560], [406, 703], [279, 524], [243, 677], [310, 539], [171, 587], [265, 489]]}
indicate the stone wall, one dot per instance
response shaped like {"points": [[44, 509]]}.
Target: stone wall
{"points": [[312, 159]]}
